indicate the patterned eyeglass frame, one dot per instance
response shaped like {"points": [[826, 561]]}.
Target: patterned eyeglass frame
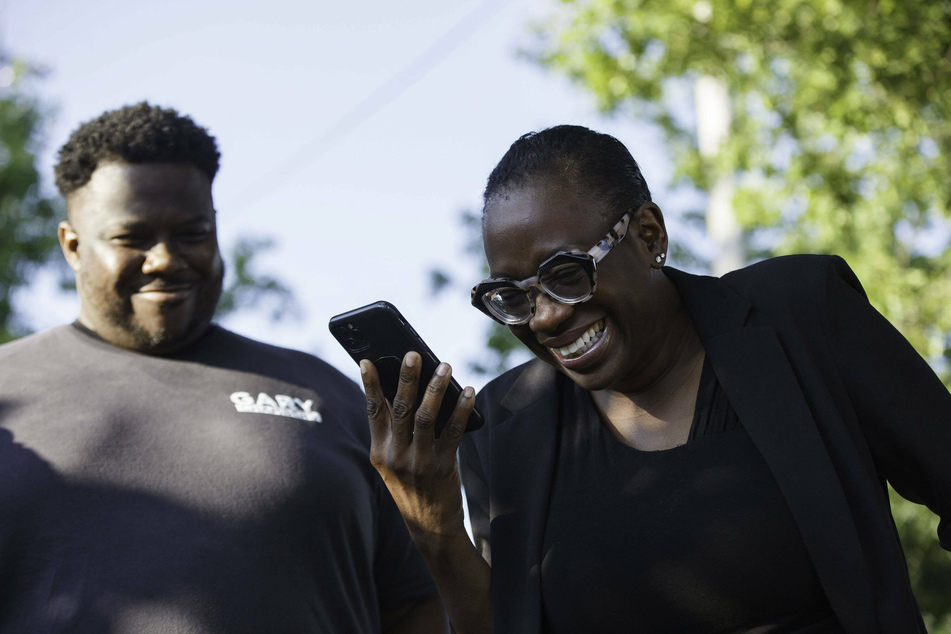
{"points": [[595, 254]]}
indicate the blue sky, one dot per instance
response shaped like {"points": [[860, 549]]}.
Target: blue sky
{"points": [[352, 134]]}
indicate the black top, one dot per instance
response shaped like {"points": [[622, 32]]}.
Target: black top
{"points": [[694, 538]]}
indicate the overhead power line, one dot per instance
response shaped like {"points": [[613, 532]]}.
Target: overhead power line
{"points": [[399, 83]]}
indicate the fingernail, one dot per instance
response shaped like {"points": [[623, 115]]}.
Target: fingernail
{"points": [[468, 392], [363, 368], [411, 360], [442, 369]]}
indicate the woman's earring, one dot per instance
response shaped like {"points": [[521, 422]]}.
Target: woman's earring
{"points": [[660, 258]]}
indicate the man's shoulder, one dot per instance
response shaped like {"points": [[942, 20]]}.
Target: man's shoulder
{"points": [[37, 343], [224, 339], [229, 350]]}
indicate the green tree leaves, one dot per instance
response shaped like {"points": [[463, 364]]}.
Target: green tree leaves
{"points": [[27, 219], [246, 289]]}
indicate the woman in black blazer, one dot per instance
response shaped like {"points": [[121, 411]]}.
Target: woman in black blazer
{"points": [[687, 454]]}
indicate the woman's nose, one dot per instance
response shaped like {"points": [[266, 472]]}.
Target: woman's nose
{"points": [[549, 313]]}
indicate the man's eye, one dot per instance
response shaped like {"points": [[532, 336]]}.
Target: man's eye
{"points": [[129, 240], [192, 237]]}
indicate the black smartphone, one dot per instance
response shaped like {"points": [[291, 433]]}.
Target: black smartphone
{"points": [[379, 332]]}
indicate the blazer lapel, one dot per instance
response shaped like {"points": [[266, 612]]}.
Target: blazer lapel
{"points": [[523, 459], [760, 383]]}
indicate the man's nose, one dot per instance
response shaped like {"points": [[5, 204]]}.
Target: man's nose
{"points": [[549, 313], [162, 259]]}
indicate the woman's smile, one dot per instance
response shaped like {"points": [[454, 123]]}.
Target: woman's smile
{"points": [[584, 343], [584, 351]]}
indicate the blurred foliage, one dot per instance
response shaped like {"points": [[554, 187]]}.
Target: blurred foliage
{"points": [[27, 219], [927, 562], [840, 143], [246, 289], [502, 350]]}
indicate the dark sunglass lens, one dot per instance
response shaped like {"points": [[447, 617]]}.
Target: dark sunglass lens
{"points": [[509, 304], [566, 281]]}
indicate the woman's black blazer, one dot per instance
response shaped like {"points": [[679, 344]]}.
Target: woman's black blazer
{"points": [[833, 397]]}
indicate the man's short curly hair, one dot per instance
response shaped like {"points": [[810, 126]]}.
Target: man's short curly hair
{"points": [[141, 133]]}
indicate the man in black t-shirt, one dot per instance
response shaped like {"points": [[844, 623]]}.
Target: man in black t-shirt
{"points": [[161, 474]]}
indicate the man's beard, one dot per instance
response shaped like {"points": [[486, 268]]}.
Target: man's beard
{"points": [[117, 311]]}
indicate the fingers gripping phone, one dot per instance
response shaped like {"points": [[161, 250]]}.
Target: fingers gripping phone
{"points": [[379, 332]]}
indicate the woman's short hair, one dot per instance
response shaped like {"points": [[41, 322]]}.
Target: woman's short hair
{"points": [[140, 133], [578, 155]]}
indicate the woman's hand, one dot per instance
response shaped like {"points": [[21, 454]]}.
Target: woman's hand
{"points": [[420, 472], [418, 468]]}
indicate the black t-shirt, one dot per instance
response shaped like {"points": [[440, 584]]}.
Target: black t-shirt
{"points": [[696, 538], [226, 488]]}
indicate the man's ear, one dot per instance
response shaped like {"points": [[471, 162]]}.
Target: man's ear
{"points": [[69, 243]]}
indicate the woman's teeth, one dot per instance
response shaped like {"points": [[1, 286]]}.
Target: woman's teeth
{"points": [[583, 344]]}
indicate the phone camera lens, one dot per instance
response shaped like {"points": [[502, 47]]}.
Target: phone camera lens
{"points": [[352, 339]]}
